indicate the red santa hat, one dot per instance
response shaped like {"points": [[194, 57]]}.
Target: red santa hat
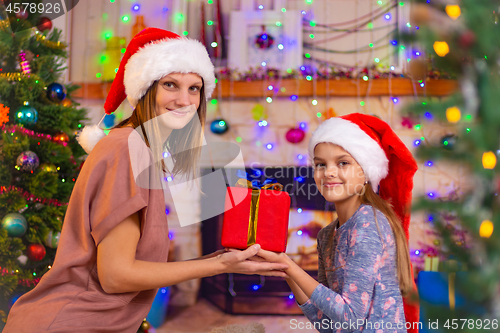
{"points": [[150, 55], [385, 161]]}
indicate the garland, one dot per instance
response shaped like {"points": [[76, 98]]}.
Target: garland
{"points": [[4, 114], [5, 25], [30, 133], [387, 6], [330, 26], [44, 41], [23, 282], [366, 48], [14, 76], [330, 30], [32, 197]]}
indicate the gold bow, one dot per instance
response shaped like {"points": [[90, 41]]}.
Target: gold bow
{"points": [[248, 184], [254, 205]]}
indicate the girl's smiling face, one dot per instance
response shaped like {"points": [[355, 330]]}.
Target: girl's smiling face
{"points": [[178, 91], [337, 174]]}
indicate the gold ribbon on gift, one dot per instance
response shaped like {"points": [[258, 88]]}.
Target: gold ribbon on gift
{"points": [[451, 290], [453, 266], [254, 205]]}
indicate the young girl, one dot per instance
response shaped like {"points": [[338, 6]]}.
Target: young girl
{"points": [[113, 247], [364, 264]]}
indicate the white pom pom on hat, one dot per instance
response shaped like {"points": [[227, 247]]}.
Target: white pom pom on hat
{"points": [[89, 137], [150, 55]]}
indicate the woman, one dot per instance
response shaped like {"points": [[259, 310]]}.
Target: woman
{"points": [[113, 247]]}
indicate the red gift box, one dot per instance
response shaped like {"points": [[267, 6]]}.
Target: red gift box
{"points": [[260, 218]]}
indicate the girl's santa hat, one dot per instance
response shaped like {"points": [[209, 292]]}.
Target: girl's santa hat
{"points": [[382, 155], [150, 55], [385, 161]]}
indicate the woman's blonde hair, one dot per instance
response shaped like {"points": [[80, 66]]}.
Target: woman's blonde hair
{"points": [[403, 265], [184, 145]]}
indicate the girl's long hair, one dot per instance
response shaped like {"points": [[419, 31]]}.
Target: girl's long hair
{"points": [[183, 144], [403, 265]]}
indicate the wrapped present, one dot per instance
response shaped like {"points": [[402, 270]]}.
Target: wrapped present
{"points": [[443, 289], [260, 218], [439, 288], [452, 265], [431, 263]]}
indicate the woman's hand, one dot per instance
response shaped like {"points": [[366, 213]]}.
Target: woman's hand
{"points": [[210, 255], [245, 262]]}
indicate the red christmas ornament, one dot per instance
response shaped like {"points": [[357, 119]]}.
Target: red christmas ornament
{"points": [[295, 135], [22, 14], [36, 252], [467, 39], [44, 24], [408, 122], [61, 137], [264, 40], [66, 102]]}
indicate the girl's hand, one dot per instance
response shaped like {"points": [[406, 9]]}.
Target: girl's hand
{"points": [[267, 256], [238, 261], [270, 256]]}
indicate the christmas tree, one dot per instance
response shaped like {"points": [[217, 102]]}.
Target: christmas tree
{"points": [[464, 39], [39, 156]]}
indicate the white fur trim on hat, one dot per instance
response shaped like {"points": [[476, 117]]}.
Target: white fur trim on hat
{"points": [[366, 151], [160, 58]]}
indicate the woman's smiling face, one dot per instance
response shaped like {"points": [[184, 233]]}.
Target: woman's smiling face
{"points": [[336, 173], [179, 92]]}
